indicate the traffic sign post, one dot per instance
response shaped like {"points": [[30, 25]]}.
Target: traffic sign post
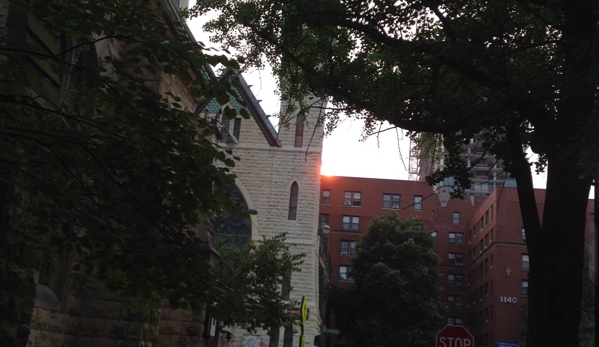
{"points": [[454, 336]]}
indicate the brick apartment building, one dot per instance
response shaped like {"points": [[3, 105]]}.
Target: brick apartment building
{"points": [[480, 240]]}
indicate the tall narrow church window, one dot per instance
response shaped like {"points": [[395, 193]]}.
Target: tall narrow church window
{"points": [[299, 129], [237, 128], [224, 130], [293, 202]]}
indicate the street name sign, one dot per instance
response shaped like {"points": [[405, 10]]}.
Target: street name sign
{"points": [[454, 336]]}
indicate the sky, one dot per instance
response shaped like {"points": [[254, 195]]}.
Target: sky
{"points": [[344, 153]]}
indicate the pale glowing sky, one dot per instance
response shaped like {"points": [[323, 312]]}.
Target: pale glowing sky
{"points": [[343, 152]]}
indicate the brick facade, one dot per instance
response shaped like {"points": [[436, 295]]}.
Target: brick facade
{"points": [[482, 283]]}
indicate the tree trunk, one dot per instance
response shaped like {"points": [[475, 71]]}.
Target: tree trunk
{"points": [[18, 279], [556, 258]]}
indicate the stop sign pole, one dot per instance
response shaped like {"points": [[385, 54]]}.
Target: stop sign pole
{"points": [[454, 336]]}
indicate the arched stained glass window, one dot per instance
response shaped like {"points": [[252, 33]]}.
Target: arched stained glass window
{"points": [[239, 228]]}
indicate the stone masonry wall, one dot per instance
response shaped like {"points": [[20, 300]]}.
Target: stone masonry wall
{"points": [[266, 174]]}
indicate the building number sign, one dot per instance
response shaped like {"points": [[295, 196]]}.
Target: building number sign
{"points": [[508, 299]]}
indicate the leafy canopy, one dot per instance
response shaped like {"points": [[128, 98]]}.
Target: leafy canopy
{"points": [[453, 68], [394, 299], [105, 163]]}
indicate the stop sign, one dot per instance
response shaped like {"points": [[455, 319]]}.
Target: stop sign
{"points": [[454, 336]]}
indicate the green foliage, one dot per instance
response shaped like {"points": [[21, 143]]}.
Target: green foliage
{"points": [[452, 68], [109, 170], [394, 299], [254, 275]]}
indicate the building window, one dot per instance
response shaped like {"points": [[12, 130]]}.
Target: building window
{"points": [[324, 219], [523, 235], [454, 280], [391, 201], [455, 321], [344, 273], [456, 218], [286, 286], [224, 129], [237, 128], [492, 207], [348, 247], [486, 266], [292, 215], [351, 223], [487, 218], [454, 301], [455, 259], [525, 262], [456, 238], [326, 197], [524, 288], [299, 129], [434, 236], [233, 225], [417, 202], [352, 199], [486, 290], [524, 314]]}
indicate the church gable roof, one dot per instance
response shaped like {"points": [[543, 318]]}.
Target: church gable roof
{"points": [[252, 106]]}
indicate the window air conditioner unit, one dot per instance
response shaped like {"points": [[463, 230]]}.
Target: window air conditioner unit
{"points": [[486, 321], [458, 264], [469, 242], [395, 206], [347, 203], [459, 242], [468, 284], [487, 295], [491, 267]]}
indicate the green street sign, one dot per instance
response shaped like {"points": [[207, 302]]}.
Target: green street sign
{"points": [[331, 331]]}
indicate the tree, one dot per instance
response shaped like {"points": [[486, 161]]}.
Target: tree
{"points": [[523, 72], [587, 322], [395, 298], [104, 163], [255, 274]]}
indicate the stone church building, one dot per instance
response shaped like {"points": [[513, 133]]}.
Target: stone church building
{"points": [[278, 176]]}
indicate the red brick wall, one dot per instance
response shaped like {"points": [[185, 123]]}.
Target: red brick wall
{"points": [[497, 246]]}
